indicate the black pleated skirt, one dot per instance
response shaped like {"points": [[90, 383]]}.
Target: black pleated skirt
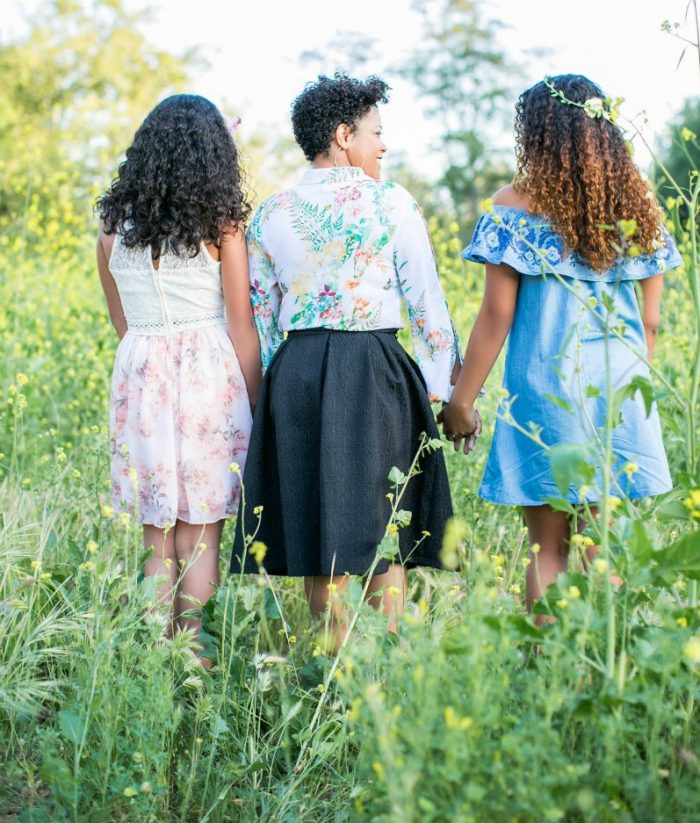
{"points": [[337, 410]]}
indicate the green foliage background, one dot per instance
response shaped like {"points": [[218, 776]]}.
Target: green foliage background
{"points": [[103, 718]]}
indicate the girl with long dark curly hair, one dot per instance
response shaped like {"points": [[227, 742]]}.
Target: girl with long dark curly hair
{"points": [[563, 246], [172, 259]]}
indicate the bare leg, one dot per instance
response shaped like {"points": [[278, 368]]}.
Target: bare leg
{"points": [[197, 549], [387, 592], [551, 530], [162, 563], [322, 594]]}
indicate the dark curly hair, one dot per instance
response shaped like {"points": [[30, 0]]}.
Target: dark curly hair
{"points": [[576, 170], [324, 105], [180, 183]]}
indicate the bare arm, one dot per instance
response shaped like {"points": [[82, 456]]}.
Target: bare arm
{"points": [[651, 309], [485, 343], [109, 287], [239, 314]]}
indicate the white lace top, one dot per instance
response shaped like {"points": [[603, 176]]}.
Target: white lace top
{"points": [[182, 293]]}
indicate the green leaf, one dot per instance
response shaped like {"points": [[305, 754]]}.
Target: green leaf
{"points": [[637, 384], [570, 466], [558, 401], [639, 541], [608, 302], [71, 725], [560, 505], [593, 391], [388, 548], [673, 510], [518, 624], [396, 476], [682, 556], [219, 726], [270, 607], [403, 517]]}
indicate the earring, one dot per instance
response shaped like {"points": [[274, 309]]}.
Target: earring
{"points": [[335, 157]]}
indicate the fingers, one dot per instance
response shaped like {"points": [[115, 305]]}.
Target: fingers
{"points": [[457, 443]]}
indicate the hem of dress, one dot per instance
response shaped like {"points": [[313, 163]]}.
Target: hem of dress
{"points": [[227, 516], [484, 494]]}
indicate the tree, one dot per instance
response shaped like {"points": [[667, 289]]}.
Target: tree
{"points": [[465, 80], [73, 89], [680, 154]]}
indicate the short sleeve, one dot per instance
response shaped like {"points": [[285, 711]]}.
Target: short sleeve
{"points": [[529, 244], [435, 343]]}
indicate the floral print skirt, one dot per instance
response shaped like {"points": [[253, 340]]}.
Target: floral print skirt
{"points": [[179, 419]]}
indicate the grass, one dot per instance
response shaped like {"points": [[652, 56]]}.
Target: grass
{"points": [[458, 719]]}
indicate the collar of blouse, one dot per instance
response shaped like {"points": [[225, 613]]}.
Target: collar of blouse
{"points": [[332, 174]]}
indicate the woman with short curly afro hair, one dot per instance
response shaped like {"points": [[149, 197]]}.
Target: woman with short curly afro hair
{"points": [[172, 260], [332, 259], [563, 247]]}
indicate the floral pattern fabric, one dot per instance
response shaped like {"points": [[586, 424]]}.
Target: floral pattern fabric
{"points": [[179, 412], [530, 245], [341, 250]]}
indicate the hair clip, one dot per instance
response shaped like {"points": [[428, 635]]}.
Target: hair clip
{"points": [[232, 123]]}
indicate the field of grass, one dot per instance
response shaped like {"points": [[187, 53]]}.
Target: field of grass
{"points": [[458, 719]]}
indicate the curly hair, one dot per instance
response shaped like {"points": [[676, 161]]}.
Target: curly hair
{"points": [[324, 105], [180, 183], [577, 172]]}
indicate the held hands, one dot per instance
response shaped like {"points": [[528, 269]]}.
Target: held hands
{"points": [[460, 424]]}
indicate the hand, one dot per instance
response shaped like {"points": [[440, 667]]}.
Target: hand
{"points": [[460, 424]]}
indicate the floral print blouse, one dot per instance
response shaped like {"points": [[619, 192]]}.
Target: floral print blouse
{"points": [[341, 250]]}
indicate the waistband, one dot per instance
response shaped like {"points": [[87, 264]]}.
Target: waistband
{"points": [[160, 327], [321, 330]]}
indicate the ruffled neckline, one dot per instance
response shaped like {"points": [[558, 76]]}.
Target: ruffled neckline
{"points": [[528, 243]]}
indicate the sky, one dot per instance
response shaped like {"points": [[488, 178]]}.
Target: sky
{"points": [[253, 50]]}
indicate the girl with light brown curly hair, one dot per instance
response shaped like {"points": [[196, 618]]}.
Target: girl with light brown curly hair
{"points": [[563, 246]]}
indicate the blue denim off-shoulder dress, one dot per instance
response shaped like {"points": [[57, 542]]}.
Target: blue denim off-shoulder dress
{"points": [[556, 379]]}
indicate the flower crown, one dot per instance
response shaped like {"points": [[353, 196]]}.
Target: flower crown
{"points": [[607, 108]]}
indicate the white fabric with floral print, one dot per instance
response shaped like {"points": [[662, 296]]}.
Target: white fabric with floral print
{"points": [[341, 250], [179, 412]]}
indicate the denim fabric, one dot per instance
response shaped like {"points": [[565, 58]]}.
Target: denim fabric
{"points": [[556, 378]]}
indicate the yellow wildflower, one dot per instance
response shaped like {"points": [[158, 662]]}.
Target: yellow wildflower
{"points": [[692, 650], [258, 550], [600, 565]]}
